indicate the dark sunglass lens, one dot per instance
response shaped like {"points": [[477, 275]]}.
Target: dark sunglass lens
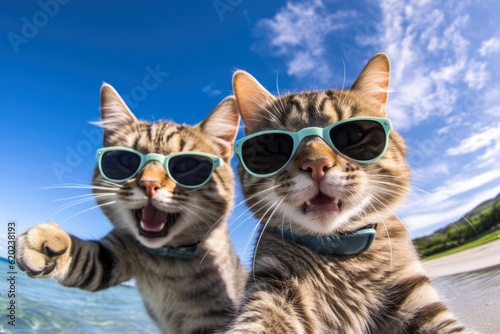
{"points": [[119, 165], [360, 140], [267, 153], [190, 170]]}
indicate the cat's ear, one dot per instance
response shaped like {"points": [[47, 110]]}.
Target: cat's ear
{"points": [[222, 126], [115, 115], [373, 82], [251, 97]]}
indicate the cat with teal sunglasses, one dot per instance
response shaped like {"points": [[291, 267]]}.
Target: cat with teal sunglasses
{"points": [[360, 139], [187, 169]]}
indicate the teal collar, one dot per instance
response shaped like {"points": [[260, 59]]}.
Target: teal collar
{"points": [[340, 244], [188, 252]]}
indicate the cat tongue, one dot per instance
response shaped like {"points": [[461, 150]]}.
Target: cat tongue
{"points": [[153, 219]]}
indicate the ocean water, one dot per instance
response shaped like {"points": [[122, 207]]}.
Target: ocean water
{"points": [[44, 306]]}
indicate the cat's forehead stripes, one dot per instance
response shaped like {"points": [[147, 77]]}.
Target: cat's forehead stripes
{"points": [[296, 111], [162, 137]]}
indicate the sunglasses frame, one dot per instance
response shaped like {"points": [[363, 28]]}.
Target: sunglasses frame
{"points": [[163, 159], [324, 133]]}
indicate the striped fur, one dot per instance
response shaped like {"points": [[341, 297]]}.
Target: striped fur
{"points": [[181, 296], [294, 290]]}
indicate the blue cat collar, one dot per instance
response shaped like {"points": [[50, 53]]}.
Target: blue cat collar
{"points": [[183, 252], [341, 244]]}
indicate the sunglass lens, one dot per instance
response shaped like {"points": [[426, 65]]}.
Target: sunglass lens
{"points": [[267, 153], [362, 140], [190, 170], [119, 165]]}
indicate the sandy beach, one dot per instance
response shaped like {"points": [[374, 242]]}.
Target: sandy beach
{"points": [[468, 260]]}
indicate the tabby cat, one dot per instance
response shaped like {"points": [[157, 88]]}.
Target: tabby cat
{"points": [[323, 171], [166, 217]]}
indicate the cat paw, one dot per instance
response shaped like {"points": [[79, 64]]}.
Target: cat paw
{"points": [[43, 250]]}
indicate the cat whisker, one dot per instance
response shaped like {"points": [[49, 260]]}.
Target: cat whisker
{"points": [[83, 196], [77, 202], [194, 213], [197, 207], [81, 187], [92, 208], [342, 91], [229, 235], [386, 231], [106, 182], [261, 233], [283, 109], [242, 202], [256, 227], [248, 209], [283, 225]]}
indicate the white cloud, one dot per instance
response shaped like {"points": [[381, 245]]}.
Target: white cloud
{"points": [[208, 89], [447, 202], [429, 56], [477, 75], [489, 46], [437, 170], [481, 138], [298, 32], [448, 214]]}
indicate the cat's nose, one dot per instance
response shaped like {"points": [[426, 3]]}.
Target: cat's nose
{"points": [[317, 168], [150, 187]]}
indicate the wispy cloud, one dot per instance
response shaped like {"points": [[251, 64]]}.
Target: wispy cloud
{"points": [[490, 46], [210, 91], [483, 137], [445, 204], [430, 59], [477, 75], [449, 213], [299, 31]]}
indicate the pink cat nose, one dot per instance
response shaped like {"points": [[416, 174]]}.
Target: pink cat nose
{"points": [[317, 168], [150, 187]]}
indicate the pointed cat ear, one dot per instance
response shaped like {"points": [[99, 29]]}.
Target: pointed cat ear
{"points": [[115, 115], [251, 97], [222, 125], [373, 82]]}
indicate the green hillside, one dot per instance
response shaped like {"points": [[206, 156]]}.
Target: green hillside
{"points": [[482, 220]]}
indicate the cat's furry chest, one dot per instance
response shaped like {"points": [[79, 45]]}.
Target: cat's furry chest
{"points": [[182, 296], [352, 292]]}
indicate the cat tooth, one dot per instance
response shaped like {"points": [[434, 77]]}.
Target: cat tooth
{"points": [[308, 202], [336, 201]]}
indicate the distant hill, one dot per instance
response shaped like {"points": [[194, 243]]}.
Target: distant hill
{"points": [[481, 220]]}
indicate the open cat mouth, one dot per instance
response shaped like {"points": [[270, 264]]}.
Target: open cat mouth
{"points": [[153, 223], [322, 203]]}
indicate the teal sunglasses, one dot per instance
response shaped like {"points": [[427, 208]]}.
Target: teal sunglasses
{"points": [[187, 169], [360, 139]]}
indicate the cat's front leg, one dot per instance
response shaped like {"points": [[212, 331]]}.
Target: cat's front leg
{"points": [[46, 250], [421, 311]]}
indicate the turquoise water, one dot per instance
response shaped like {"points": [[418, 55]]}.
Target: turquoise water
{"points": [[44, 306]]}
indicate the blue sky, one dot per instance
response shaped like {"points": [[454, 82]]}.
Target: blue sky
{"points": [[444, 83]]}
